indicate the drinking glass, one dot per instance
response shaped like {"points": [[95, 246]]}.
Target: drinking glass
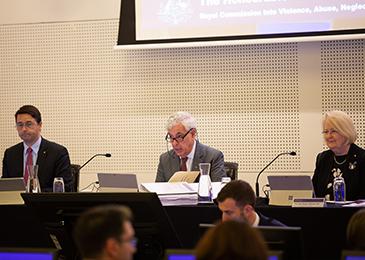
{"points": [[58, 185]]}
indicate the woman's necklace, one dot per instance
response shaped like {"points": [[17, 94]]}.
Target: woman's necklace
{"points": [[334, 157]]}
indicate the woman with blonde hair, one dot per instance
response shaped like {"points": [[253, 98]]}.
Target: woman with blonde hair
{"points": [[232, 239], [343, 159]]}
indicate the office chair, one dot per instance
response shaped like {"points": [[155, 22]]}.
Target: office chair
{"points": [[231, 170], [75, 176]]}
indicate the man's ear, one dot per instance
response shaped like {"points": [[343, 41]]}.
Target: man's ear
{"points": [[247, 211], [111, 247]]}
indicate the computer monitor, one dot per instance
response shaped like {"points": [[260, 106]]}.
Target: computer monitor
{"points": [[188, 254], [58, 212], [179, 254], [28, 253], [352, 255], [286, 239], [283, 242]]}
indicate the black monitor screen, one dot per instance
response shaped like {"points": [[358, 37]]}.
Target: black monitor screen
{"points": [[286, 239], [57, 214], [28, 253]]}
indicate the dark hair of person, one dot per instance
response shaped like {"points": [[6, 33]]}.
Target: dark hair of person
{"points": [[232, 239], [31, 110], [240, 191], [97, 225], [356, 230]]}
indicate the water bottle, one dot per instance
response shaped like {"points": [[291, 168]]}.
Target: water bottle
{"points": [[33, 182], [339, 190], [205, 195]]}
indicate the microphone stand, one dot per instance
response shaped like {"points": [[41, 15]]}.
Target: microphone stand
{"points": [[106, 155], [259, 200]]}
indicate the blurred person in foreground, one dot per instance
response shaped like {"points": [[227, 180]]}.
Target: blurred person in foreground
{"points": [[356, 230], [233, 239], [343, 159], [187, 152], [106, 233], [237, 200]]}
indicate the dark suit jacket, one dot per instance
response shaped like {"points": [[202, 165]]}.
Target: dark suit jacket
{"points": [[169, 164], [265, 221], [53, 161], [354, 173]]}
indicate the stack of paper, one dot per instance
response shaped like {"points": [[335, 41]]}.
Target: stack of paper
{"points": [[173, 193]]}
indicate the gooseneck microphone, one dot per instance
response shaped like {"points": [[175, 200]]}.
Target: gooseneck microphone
{"points": [[257, 179], [106, 155]]}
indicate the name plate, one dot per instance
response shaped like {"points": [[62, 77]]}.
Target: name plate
{"points": [[309, 203]]}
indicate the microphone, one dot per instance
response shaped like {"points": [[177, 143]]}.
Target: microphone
{"points": [[257, 179], [106, 155]]}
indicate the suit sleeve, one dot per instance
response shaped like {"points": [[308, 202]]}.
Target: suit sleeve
{"points": [[217, 171], [362, 177], [316, 176], [160, 176], [5, 173], [63, 169]]}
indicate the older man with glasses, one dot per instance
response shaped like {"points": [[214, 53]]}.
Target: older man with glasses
{"points": [[53, 159], [187, 152]]}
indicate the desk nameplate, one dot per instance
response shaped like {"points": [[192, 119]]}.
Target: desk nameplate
{"points": [[309, 203]]}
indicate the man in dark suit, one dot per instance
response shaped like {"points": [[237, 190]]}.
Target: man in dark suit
{"points": [[237, 200], [187, 152], [52, 159]]}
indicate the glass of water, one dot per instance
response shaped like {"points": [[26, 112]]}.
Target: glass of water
{"points": [[58, 185]]}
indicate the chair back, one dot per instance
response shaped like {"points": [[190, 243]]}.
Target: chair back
{"points": [[75, 176], [231, 170]]}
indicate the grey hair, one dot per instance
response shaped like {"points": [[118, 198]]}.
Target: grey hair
{"points": [[181, 117], [342, 123]]}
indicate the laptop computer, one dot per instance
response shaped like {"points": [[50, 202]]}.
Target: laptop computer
{"points": [[117, 182], [10, 189], [284, 188]]}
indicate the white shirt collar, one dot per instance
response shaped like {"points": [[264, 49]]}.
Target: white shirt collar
{"points": [[257, 220]]}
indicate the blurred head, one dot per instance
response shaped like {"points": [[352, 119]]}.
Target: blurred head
{"points": [[237, 200], [29, 124], [338, 131], [232, 240], [181, 128], [106, 232], [356, 230]]}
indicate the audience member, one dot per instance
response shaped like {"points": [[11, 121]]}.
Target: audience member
{"points": [[181, 128], [343, 159], [356, 230], [106, 233], [233, 239], [237, 200], [53, 159]]}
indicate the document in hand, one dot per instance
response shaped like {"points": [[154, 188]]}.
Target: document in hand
{"points": [[168, 188], [184, 176]]}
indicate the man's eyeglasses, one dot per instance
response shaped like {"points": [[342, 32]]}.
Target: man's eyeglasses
{"points": [[133, 241], [178, 138], [27, 125], [332, 132]]}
